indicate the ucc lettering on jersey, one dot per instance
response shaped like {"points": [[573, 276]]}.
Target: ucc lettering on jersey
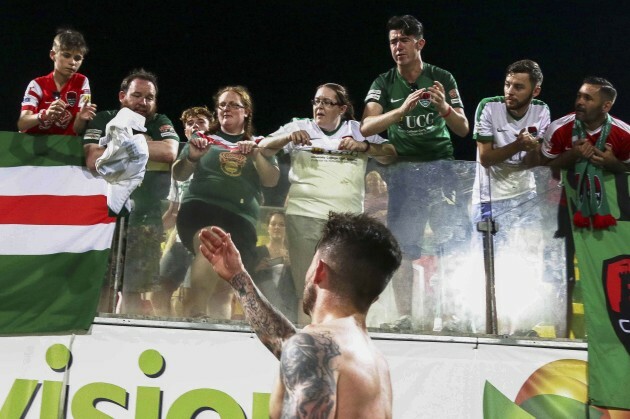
{"points": [[418, 121]]}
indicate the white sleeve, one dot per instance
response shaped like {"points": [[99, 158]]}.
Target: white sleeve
{"points": [[32, 95], [483, 123], [292, 126], [545, 120]]}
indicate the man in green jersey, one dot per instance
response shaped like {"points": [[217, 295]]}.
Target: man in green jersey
{"points": [[138, 92], [417, 103]]}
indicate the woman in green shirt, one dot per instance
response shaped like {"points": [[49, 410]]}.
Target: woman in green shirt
{"points": [[225, 191]]}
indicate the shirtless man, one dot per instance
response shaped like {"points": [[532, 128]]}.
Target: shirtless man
{"points": [[331, 368]]}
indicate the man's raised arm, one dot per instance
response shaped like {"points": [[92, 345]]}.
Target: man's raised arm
{"points": [[271, 326]]}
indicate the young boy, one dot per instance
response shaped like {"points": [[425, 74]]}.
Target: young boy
{"points": [[51, 102]]}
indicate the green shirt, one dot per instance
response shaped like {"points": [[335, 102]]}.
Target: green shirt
{"points": [[226, 179], [422, 134]]}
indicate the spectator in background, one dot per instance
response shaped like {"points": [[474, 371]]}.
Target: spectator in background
{"points": [[590, 141], [228, 174], [138, 92], [506, 129], [417, 103], [273, 269], [175, 261], [51, 102], [589, 123], [328, 163]]}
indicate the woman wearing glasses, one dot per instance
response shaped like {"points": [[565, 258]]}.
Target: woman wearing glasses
{"points": [[225, 191], [328, 162]]}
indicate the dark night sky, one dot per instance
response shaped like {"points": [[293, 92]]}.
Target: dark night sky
{"points": [[282, 50]]}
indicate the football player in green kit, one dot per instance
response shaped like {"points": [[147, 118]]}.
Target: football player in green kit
{"points": [[417, 103]]}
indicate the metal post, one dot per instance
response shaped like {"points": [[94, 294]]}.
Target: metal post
{"points": [[488, 227], [119, 258]]}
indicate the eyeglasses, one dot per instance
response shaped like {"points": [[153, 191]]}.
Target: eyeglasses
{"points": [[324, 102], [231, 105]]}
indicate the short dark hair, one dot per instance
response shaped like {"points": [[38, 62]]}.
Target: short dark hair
{"points": [[605, 87], [139, 73], [407, 24], [362, 254], [343, 98], [529, 67], [69, 40]]}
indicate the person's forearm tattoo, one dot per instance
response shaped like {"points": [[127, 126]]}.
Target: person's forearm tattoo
{"points": [[268, 323], [307, 371]]}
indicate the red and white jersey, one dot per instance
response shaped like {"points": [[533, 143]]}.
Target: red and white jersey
{"points": [[42, 91], [559, 138]]}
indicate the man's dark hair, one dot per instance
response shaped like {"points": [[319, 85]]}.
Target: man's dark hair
{"points": [[69, 40], [529, 67], [407, 24], [139, 73], [362, 255], [606, 88]]}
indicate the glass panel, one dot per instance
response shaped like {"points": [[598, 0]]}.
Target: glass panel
{"points": [[272, 274], [427, 211], [144, 241], [433, 208], [529, 261]]}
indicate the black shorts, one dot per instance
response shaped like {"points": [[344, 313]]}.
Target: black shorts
{"points": [[195, 215]]}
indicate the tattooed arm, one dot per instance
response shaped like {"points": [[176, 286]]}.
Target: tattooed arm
{"points": [[308, 375], [271, 326]]}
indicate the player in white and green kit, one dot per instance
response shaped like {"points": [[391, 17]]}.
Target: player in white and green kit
{"points": [[507, 131], [417, 103], [506, 128]]}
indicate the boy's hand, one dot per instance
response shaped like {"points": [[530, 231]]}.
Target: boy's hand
{"points": [[56, 109], [87, 111]]}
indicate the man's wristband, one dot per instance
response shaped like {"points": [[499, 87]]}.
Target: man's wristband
{"points": [[367, 143], [450, 109]]}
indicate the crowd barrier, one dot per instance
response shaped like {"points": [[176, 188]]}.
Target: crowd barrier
{"points": [[519, 286]]}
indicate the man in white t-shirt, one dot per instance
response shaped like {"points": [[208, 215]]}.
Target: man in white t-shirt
{"points": [[506, 129]]}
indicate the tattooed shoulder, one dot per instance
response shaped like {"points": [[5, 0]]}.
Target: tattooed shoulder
{"points": [[308, 372]]}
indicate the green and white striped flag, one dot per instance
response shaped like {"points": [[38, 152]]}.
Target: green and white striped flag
{"points": [[55, 235]]}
